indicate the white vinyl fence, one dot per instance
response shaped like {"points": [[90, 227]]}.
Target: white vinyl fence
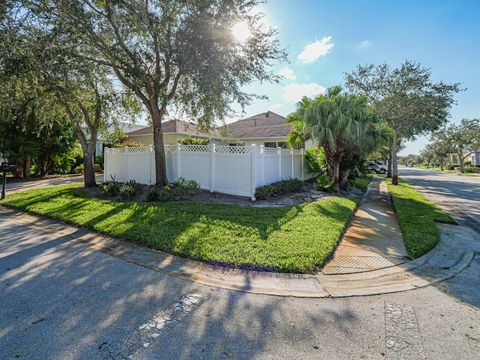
{"points": [[236, 170]]}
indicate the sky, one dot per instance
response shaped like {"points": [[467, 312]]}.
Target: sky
{"points": [[326, 39]]}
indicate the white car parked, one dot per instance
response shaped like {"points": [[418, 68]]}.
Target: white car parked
{"points": [[378, 166]]}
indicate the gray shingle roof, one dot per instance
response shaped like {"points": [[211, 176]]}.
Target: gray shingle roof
{"points": [[176, 126], [267, 124]]}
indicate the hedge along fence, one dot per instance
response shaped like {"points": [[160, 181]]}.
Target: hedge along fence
{"points": [[236, 170]]}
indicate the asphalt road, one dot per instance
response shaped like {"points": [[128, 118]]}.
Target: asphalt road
{"points": [[458, 195], [62, 300]]}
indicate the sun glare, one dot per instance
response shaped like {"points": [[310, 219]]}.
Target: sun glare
{"points": [[241, 31]]}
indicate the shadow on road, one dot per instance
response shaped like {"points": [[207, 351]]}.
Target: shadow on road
{"points": [[63, 300]]}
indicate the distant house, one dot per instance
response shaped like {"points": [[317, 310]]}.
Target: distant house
{"points": [[173, 131], [476, 158], [268, 129]]}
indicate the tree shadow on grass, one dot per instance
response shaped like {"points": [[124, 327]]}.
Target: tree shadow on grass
{"points": [[61, 300], [211, 232]]}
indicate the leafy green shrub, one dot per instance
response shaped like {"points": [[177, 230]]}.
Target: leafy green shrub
{"points": [[173, 191], [99, 159], [153, 193], [265, 192], [315, 161], [179, 188], [110, 188], [361, 183], [68, 162], [324, 182], [193, 140], [129, 143], [356, 166], [128, 189], [78, 169], [471, 170], [278, 188]]}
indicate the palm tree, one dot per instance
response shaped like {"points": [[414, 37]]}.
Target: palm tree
{"points": [[300, 132], [344, 125]]}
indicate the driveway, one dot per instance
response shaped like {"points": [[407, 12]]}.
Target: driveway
{"points": [[43, 183], [62, 300], [458, 195]]}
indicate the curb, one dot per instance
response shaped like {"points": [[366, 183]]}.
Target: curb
{"points": [[417, 273]]}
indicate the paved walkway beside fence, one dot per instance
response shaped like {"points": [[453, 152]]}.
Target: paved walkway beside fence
{"points": [[374, 240]]}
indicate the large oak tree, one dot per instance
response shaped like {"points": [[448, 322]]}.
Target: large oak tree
{"points": [[406, 98], [172, 54]]}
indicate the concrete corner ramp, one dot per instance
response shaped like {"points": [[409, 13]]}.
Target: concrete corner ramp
{"points": [[373, 240], [455, 250]]}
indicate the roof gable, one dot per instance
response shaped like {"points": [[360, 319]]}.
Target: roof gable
{"points": [[176, 126], [267, 124]]}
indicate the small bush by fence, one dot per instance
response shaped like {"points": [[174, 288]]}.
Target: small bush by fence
{"points": [[236, 170]]}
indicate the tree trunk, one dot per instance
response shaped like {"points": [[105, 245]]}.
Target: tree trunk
{"points": [[19, 172], [159, 149], [336, 174], [389, 169], [27, 165], [460, 160], [344, 178], [48, 165], [394, 161], [88, 170]]}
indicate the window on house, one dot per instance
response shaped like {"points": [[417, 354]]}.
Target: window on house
{"points": [[282, 144], [270, 144]]}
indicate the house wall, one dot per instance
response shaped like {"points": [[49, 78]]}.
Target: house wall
{"points": [[262, 141], [172, 138], [476, 158], [148, 139]]}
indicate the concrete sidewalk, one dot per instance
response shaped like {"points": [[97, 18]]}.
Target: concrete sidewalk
{"points": [[374, 240], [47, 182]]}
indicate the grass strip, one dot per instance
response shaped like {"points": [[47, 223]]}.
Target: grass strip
{"points": [[285, 239], [417, 217]]}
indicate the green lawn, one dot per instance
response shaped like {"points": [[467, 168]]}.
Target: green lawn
{"points": [[362, 183], [285, 239], [468, 174], [417, 217]]}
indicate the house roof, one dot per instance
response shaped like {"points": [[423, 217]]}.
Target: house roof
{"points": [[264, 125], [176, 126]]}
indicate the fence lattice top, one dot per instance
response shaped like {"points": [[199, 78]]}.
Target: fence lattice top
{"points": [[204, 148]]}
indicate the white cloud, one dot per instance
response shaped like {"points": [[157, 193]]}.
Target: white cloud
{"points": [[315, 49], [287, 73], [365, 44], [295, 92]]}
